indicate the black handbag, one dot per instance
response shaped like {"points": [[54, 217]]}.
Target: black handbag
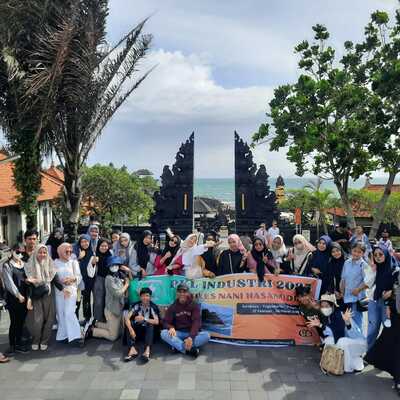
{"points": [[362, 305], [40, 291]]}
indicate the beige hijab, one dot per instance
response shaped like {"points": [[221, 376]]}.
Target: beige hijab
{"points": [[43, 271]]}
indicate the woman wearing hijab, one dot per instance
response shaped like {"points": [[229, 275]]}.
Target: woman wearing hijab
{"points": [[208, 260], [301, 255], [69, 274], [335, 268], [143, 252], [279, 254], [125, 249], [94, 233], [381, 284], [41, 276], [259, 259], [54, 240], [100, 261], [167, 255], [84, 254], [232, 260], [320, 261], [16, 292], [185, 258]]}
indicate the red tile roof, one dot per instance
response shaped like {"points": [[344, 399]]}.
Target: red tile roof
{"points": [[380, 188], [340, 212], [51, 185]]}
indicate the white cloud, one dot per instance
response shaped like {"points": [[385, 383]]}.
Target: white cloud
{"points": [[182, 88]]}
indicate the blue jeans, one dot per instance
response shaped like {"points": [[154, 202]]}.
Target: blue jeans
{"points": [[177, 341], [376, 316]]}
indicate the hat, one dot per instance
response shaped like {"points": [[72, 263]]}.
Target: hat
{"points": [[183, 286], [114, 260], [330, 298], [145, 290]]}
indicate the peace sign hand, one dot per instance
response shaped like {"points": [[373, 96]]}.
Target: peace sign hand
{"points": [[347, 316]]}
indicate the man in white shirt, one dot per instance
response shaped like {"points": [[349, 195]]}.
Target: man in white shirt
{"points": [[273, 232], [262, 232]]}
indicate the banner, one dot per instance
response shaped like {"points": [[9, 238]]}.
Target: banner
{"points": [[239, 309]]}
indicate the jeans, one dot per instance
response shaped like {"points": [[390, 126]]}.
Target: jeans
{"points": [[376, 316], [177, 341]]}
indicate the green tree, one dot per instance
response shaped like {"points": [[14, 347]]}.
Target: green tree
{"points": [[326, 118], [381, 49], [115, 195], [22, 120], [95, 80]]}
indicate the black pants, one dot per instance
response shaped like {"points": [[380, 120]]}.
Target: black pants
{"points": [[17, 313], [144, 332], [86, 303]]}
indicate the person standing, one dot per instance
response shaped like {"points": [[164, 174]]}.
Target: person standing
{"points": [[30, 239], [164, 259], [182, 324], [262, 232], [140, 321], [360, 236], [352, 284], [260, 259], [385, 241], [16, 292], [232, 260], [273, 231], [41, 276], [69, 274], [320, 263], [55, 239], [301, 255], [94, 233]]}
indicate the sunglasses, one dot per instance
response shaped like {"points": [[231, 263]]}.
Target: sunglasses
{"points": [[173, 241]]}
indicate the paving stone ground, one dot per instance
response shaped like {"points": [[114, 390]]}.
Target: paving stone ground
{"points": [[221, 372]]}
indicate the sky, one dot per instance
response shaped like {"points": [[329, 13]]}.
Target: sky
{"points": [[218, 63]]}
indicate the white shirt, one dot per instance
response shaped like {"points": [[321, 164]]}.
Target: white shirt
{"points": [[273, 232]]}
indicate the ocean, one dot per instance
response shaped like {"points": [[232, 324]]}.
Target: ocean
{"points": [[224, 188]]}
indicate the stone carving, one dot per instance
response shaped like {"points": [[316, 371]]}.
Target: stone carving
{"points": [[254, 201], [174, 201]]}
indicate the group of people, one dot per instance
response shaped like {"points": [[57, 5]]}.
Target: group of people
{"points": [[48, 284]]}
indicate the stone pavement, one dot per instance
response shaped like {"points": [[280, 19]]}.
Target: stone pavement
{"points": [[220, 372]]}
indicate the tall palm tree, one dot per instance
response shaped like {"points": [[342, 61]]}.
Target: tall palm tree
{"points": [[76, 84]]}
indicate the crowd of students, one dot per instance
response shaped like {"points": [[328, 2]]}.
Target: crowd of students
{"points": [[48, 283]]}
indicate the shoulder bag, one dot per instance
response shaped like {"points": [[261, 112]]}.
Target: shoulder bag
{"points": [[332, 360]]}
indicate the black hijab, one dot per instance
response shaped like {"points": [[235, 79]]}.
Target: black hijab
{"points": [[102, 267], [142, 251], [209, 256], [259, 257], [335, 268], [384, 274], [53, 242]]}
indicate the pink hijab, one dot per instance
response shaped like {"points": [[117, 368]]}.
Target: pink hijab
{"points": [[238, 242]]}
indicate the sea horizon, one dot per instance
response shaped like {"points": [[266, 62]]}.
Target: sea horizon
{"points": [[223, 189]]}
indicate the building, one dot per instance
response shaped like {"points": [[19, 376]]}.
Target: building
{"points": [[12, 220]]}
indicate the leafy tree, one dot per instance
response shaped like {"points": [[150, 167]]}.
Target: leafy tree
{"points": [[115, 195], [381, 49], [22, 120], [88, 81], [327, 117], [143, 172]]}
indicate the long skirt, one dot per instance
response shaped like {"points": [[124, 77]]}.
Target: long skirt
{"points": [[68, 324], [99, 298], [385, 353]]}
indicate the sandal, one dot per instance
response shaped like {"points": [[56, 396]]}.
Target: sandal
{"points": [[130, 358], [4, 359]]}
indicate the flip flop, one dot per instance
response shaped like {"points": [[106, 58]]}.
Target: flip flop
{"points": [[4, 359], [145, 359]]}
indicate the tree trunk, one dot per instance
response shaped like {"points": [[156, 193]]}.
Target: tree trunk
{"points": [[73, 198], [379, 211], [346, 204]]}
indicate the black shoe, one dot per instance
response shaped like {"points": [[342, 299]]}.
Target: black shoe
{"points": [[193, 352], [10, 351], [21, 349], [174, 350]]}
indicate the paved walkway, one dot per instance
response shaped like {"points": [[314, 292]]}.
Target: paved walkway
{"points": [[220, 372]]}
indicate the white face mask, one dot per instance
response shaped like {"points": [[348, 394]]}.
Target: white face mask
{"points": [[17, 256], [114, 269], [327, 311]]}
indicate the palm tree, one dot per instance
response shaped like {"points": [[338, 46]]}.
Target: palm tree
{"points": [[76, 84]]}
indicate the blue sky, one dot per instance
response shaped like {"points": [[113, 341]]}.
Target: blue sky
{"points": [[218, 63]]}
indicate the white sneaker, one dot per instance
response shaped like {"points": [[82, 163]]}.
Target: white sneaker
{"points": [[35, 347], [43, 347], [387, 323], [54, 327]]}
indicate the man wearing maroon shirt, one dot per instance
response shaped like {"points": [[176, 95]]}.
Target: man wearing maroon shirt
{"points": [[182, 324]]}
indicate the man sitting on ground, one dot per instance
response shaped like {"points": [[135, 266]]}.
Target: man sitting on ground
{"points": [[140, 322], [182, 322]]}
